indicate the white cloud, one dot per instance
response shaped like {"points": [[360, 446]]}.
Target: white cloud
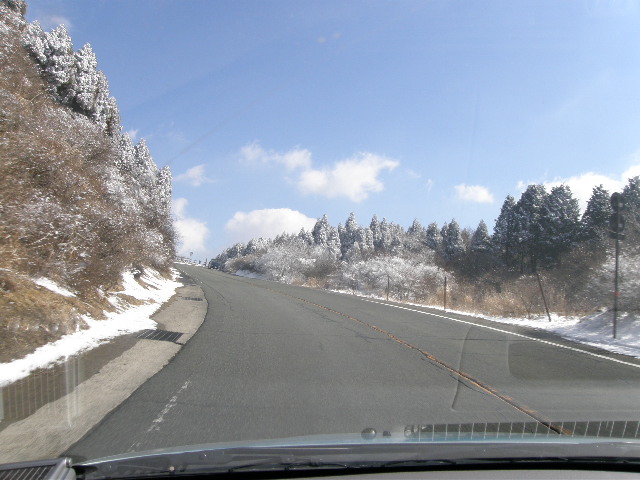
{"points": [[267, 223], [195, 176], [354, 178], [429, 184], [49, 21], [413, 174], [291, 160], [474, 193], [133, 134], [193, 233]]}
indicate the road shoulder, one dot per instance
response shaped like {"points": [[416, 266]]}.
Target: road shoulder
{"points": [[56, 426]]}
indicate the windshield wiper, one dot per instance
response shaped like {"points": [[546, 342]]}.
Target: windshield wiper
{"points": [[286, 466]]}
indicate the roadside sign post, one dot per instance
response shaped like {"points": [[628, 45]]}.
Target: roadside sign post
{"points": [[616, 229], [544, 299], [445, 292]]}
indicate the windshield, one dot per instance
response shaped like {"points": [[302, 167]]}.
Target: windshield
{"points": [[226, 223]]}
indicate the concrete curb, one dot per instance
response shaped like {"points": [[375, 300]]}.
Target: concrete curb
{"points": [[54, 427]]}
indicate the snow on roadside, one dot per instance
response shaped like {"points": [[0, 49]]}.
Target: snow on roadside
{"points": [[53, 286], [248, 274], [595, 330], [126, 319]]}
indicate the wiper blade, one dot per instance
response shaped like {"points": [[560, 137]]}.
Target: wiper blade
{"points": [[286, 466]]}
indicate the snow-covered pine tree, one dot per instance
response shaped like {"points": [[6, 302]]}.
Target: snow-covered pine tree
{"points": [[453, 244], [364, 239], [631, 194], [126, 158], [433, 238], [348, 234], [144, 166], [333, 244], [397, 238], [59, 60], [35, 41], [374, 226], [595, 219], [86, 75], [480, 240], [305, 236], [416, 236], [321, 231], [385, 236], [560, 223], [530, 210], [505, 237], [163, 190]]}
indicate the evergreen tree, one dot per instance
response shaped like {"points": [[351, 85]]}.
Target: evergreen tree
{"points": [[305, 236], [349, 233], [333, 244], [595, 219], [529, 212], [56, 49], [364, 239], [505, 238], [480, 240], [35, 41], [86, 91], [416, 236], [385, 236], [631, 193], [453, 244], [376, 232], [321, 231], [126, 158], [560, 223], [433, 237], [163, 190]]}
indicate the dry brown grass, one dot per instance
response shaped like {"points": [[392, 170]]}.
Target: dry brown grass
{"points": [[31, 316], [58, 217]]}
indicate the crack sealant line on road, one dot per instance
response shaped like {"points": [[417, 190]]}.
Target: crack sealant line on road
{"points": [[458, 373], [495, 329]]}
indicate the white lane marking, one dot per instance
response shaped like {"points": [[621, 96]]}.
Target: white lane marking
{"points": [[597, 355], [155, 425]]}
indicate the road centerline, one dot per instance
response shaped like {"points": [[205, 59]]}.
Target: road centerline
{"points": [[459, 374]]}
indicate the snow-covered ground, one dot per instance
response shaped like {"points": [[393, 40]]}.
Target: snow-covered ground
{"points": [[126, 319], [53, 286], [248, 274]]}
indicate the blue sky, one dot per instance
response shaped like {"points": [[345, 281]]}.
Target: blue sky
{"points": [[273, 113]]}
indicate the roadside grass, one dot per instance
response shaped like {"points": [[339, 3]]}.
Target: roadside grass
{"points": [[33, 316], [67, 213]]}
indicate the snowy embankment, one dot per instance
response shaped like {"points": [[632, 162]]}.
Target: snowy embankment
{"points": [[151, 290], [248, 274], [595, 330]]}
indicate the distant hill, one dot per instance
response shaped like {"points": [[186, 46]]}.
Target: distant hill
{"points": [[79, 202]]}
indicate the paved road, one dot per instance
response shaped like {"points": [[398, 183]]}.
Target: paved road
{"points": [[273, 360]]}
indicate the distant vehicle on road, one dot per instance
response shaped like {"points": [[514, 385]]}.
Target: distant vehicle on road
{"points": [[214, 265]]}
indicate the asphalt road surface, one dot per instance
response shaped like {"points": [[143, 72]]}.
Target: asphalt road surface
{"points": [[273, 360]]}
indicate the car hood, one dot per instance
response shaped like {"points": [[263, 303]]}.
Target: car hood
{"points": [[410, 446]]}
